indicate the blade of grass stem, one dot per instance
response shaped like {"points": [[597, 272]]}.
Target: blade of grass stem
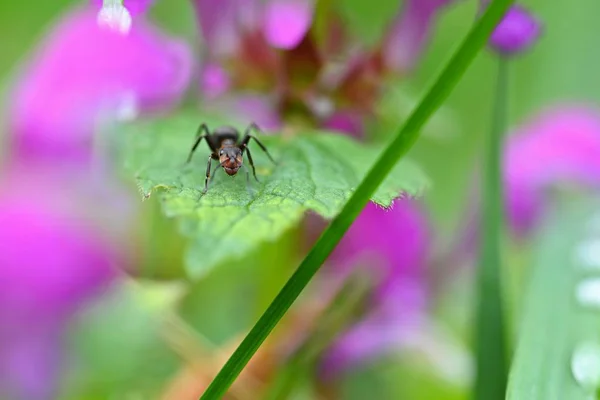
{"points": [[492, 369], [398, 147], [339, 315]]}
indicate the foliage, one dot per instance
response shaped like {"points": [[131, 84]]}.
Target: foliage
{"points": [[554, 324], [316, 171], [407, 135]]}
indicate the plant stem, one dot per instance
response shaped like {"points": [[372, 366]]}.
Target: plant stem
{"points": [[490, 337], [398, 147], [338, 316]]}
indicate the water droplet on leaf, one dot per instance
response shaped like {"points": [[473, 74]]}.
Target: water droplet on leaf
{"points": [[585, 365], [588, 292], [587, 254]]}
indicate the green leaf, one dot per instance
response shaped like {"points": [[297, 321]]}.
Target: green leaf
{"points": [[405, 138], [119, 344], [492, 360], [555, 324], [316, 171]]}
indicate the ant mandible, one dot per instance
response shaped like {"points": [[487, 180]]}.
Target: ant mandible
{"points": [[225, 146]]}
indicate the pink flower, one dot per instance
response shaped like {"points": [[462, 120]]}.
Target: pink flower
{"points": [[54, 260], [517, 31], [345, 121], [214, 81], [287, 22], [392, 246], [82, 73], [220, 25], [560, 145], [283, 22], [410, 33]]}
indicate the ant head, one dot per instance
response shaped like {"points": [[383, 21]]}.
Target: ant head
{"points": [[230, 159]]}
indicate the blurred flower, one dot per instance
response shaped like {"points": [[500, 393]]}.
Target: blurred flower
{"points": [[517, 31], [214, 81], [219, 24], [267, 50], [287, 21], [559, 146], [53, 260], [345, 121], [392, 246], [410, 33], [55, 108], [224, 24]]}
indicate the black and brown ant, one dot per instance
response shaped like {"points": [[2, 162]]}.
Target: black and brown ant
{"points": [[225, 146]]}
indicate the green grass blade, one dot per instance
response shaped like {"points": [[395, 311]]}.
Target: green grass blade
{"points": [[399, 146], [559, 334], [341, 313], [490, 341]]}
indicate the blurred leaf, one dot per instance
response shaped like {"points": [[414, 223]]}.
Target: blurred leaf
{"points": [[177, 17], [554, 324], [403, 378], [316, 172], [242, 292], [119, 346], [563, 66]]}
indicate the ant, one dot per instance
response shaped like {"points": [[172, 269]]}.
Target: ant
{"points": [[225, 146]]}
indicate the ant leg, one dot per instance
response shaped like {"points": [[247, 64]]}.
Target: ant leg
{"points": [[248, 136], [251, 163], [247, 175], [210, 158], [199, 137]]}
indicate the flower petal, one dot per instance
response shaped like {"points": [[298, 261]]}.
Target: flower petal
{"points": [[286, 22], [410, 33], [214, 81], [398, 239], [346, 121], [220, 24], [54, 260], [393, 246], [517, 31], [28, 364], [55, 107], [561, 145]]}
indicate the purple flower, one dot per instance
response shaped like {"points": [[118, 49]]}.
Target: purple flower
{"points": [[345, 121], [561, 145], [283, 22], [410, 33], [287, 22], [214, 81], [219, 24], [53, 261], [391, 245], [82, 73], [517, 31]]}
